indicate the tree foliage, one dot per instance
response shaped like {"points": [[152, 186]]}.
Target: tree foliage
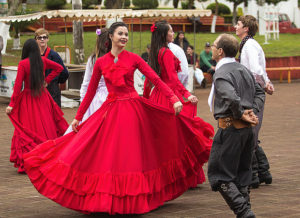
{"points": [[55, 4], [145, 4], [223, 9]]}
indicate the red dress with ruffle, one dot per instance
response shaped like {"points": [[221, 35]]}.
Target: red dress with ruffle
{"points": [[169, 67], [35, 118], [129, 157]]}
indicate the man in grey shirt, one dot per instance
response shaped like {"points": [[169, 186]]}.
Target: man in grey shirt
{"points": [[237, 97]]}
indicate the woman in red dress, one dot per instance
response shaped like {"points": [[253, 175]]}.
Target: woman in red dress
{"points": [[129, 157], [164, 62], [32, 111]]}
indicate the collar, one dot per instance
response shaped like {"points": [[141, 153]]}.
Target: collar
{"points": [[223, 61]]}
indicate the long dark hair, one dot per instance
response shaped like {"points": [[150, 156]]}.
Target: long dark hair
{"points": [[31, 50], [158, 41], [114, 26], [103, 45], [176, 40]]}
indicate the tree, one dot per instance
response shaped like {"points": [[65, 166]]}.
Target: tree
{"points": [[214, 20], [13, 7], [78, 35], [113, 4], [275, 2], [175, 3], [234, 13]]}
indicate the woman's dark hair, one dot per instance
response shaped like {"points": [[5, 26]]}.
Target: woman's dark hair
{"points": [[31, 50], [158, 40], [114, 26], [176, 40], [103, 45]]}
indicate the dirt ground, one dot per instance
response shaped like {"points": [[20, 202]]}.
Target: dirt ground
{"points": [[280, 136]]}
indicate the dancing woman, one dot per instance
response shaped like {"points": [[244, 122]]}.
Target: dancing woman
{"points": [[103, 45], [33, 112], [167, 66], [130, 156]]}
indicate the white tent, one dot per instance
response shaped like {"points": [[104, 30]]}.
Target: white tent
{"points": [[88, 15]]}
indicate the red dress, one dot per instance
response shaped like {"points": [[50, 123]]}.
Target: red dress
{"points": [[128, 157], [169, 67], [35, 118]]}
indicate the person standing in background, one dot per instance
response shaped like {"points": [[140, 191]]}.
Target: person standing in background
{"points": [[181, 41], [42, 38]]}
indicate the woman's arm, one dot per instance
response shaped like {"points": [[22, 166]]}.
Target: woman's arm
{"points": [[55, 67]]}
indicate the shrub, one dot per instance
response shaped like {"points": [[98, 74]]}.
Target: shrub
{"points": [[125, 3], [86, 4], [223, 9], [145, 4], [55, 4]]}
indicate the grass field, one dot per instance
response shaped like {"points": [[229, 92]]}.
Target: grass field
{"points": [[288, 45]]}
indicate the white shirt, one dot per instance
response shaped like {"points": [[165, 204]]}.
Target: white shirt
{"points": [[221, 62], [253, 57], [179, 53]]}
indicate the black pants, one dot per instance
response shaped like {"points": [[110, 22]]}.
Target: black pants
{"points": [[54, 90], [230, 157], [207, 69], [260, 160]]}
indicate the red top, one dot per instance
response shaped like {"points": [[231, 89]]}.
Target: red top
{"points": [[24, 75], [119, 78], [169, 67]]}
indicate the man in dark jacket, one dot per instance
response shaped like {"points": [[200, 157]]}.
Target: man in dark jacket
{"points": [[42, 38], [237, 98]]}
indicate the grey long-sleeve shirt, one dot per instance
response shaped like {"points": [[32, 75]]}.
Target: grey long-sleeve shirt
{"points": [[235, 91]]}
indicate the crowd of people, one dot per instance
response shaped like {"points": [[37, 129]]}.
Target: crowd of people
{"points": [[128, 154]]}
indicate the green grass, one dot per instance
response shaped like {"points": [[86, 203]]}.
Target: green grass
{"points": [[288, 45]]}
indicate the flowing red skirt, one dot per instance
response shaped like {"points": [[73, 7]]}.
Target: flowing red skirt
{"points": [[129, 157], [36, 120], [204, 130]]}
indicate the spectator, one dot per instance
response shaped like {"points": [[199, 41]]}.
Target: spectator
{"points": [[192, 59], [42, 38], [206, 62], [181, 41], [145, 55]]}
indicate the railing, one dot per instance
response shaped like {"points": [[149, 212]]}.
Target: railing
{"points": [[281, 69]]}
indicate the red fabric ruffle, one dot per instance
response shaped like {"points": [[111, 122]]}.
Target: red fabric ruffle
{"points": [[134, 192]]}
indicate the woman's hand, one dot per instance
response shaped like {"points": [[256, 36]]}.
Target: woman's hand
{"points": [[45, 84], [193, 99], [8, 110], [74, 124], [177, 107]]}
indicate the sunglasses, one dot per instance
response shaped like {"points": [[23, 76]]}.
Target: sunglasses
{"points": [[42, 37]]}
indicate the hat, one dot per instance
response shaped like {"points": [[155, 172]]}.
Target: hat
{"points": [[207, 44]]}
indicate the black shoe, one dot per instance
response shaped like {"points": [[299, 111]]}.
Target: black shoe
{"points": [[203, 83], [249, 214], [255, 183], [265, 178]]}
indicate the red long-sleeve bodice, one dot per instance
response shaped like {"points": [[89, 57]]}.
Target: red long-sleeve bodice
{"points": [[119, 78], [23, 75]]}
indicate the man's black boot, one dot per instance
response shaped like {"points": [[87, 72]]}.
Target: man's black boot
{"points": [[264, 174], [255, 180], [235, 200]]}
